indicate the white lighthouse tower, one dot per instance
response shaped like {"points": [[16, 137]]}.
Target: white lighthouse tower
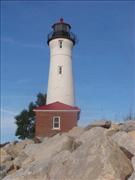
{"points": [[60, 82], [60, 113]]}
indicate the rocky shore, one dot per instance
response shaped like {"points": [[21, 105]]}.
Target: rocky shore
{"points": [[101, 151]]}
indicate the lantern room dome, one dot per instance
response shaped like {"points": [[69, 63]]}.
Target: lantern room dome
{"points": [[61, 30]]}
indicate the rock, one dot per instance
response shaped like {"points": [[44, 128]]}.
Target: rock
{"points": [[27, 161], [4, 156], [42, 154], [14, 148], [5, 168], [127, 126], [103, 123], [19, 160], [132, 134], [50, 147], [4, 144], [98, 158], [125, 141], [133, 162], [132, 177], [76, 132], [114, 127]]}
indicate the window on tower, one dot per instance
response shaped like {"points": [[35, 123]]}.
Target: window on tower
{"points": [[59, 69], [60, 43]]}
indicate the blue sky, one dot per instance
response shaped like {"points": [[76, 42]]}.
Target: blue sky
{"points": [[103, 59]]}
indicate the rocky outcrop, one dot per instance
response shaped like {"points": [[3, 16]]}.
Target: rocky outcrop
{"points": [[92, 159], [19, 160], [50, 147], [4, 156], [76, 132], [97, 157], [10, 156], [5, 168], [127, 126], [132, 177], [92, 153], [132, 134], [103, 123], [14, 148], [125, 141]]}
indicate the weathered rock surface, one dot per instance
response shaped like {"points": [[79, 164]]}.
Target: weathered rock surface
{"points": [[5, 168], [133, 162], [4, 156], [103, 123], [50, 147], [127, 126], [132, 177], [125, 141], [132, 134], [19, 160], [97, 157], [92, 159], [113, 129], [76, 132], [14, 149]]}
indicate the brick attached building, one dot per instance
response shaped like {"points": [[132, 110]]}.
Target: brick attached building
{"points": [[55, 117]]}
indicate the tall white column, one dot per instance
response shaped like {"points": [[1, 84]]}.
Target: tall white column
{"points": [[60, 82]]}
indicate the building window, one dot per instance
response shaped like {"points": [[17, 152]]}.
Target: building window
{"points": [[60, 43], [56, 122], [59, 69]]}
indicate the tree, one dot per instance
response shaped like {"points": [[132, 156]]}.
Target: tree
{"points": [[25, 121], [41, 99]]}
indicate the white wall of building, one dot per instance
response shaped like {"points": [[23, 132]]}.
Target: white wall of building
{"points": [[60, 86]]}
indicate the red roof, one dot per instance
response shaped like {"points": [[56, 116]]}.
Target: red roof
{"points": [[57, 106]]}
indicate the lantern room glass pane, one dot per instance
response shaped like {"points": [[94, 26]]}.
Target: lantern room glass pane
{"points": [[61, 27]]}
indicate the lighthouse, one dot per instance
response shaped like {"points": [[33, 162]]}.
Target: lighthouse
{"points": [[60, 83], [60, 113]]}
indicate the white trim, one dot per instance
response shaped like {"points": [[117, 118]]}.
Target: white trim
{"points": [[57, 110], [54, 122]]}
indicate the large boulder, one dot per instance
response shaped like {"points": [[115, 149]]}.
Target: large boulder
{"points": [[15, 148], [97, 158], [39, 155], [18, 161], [127, 126], [132, 134], [50, 147], [76, 132], [113, 129], [133, 162], [4, 156], [132, 177], [5, 167], [102, 123], [125, 141]]}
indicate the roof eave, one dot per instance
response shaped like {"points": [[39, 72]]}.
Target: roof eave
{"points": [[60, 110]]}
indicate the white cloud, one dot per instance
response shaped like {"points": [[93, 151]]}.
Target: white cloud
{"points": [[10, 112], [29, 45]]}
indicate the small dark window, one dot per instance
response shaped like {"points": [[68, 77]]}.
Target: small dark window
{"points": [[60, 43], [56, 122], [59, 69]]}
